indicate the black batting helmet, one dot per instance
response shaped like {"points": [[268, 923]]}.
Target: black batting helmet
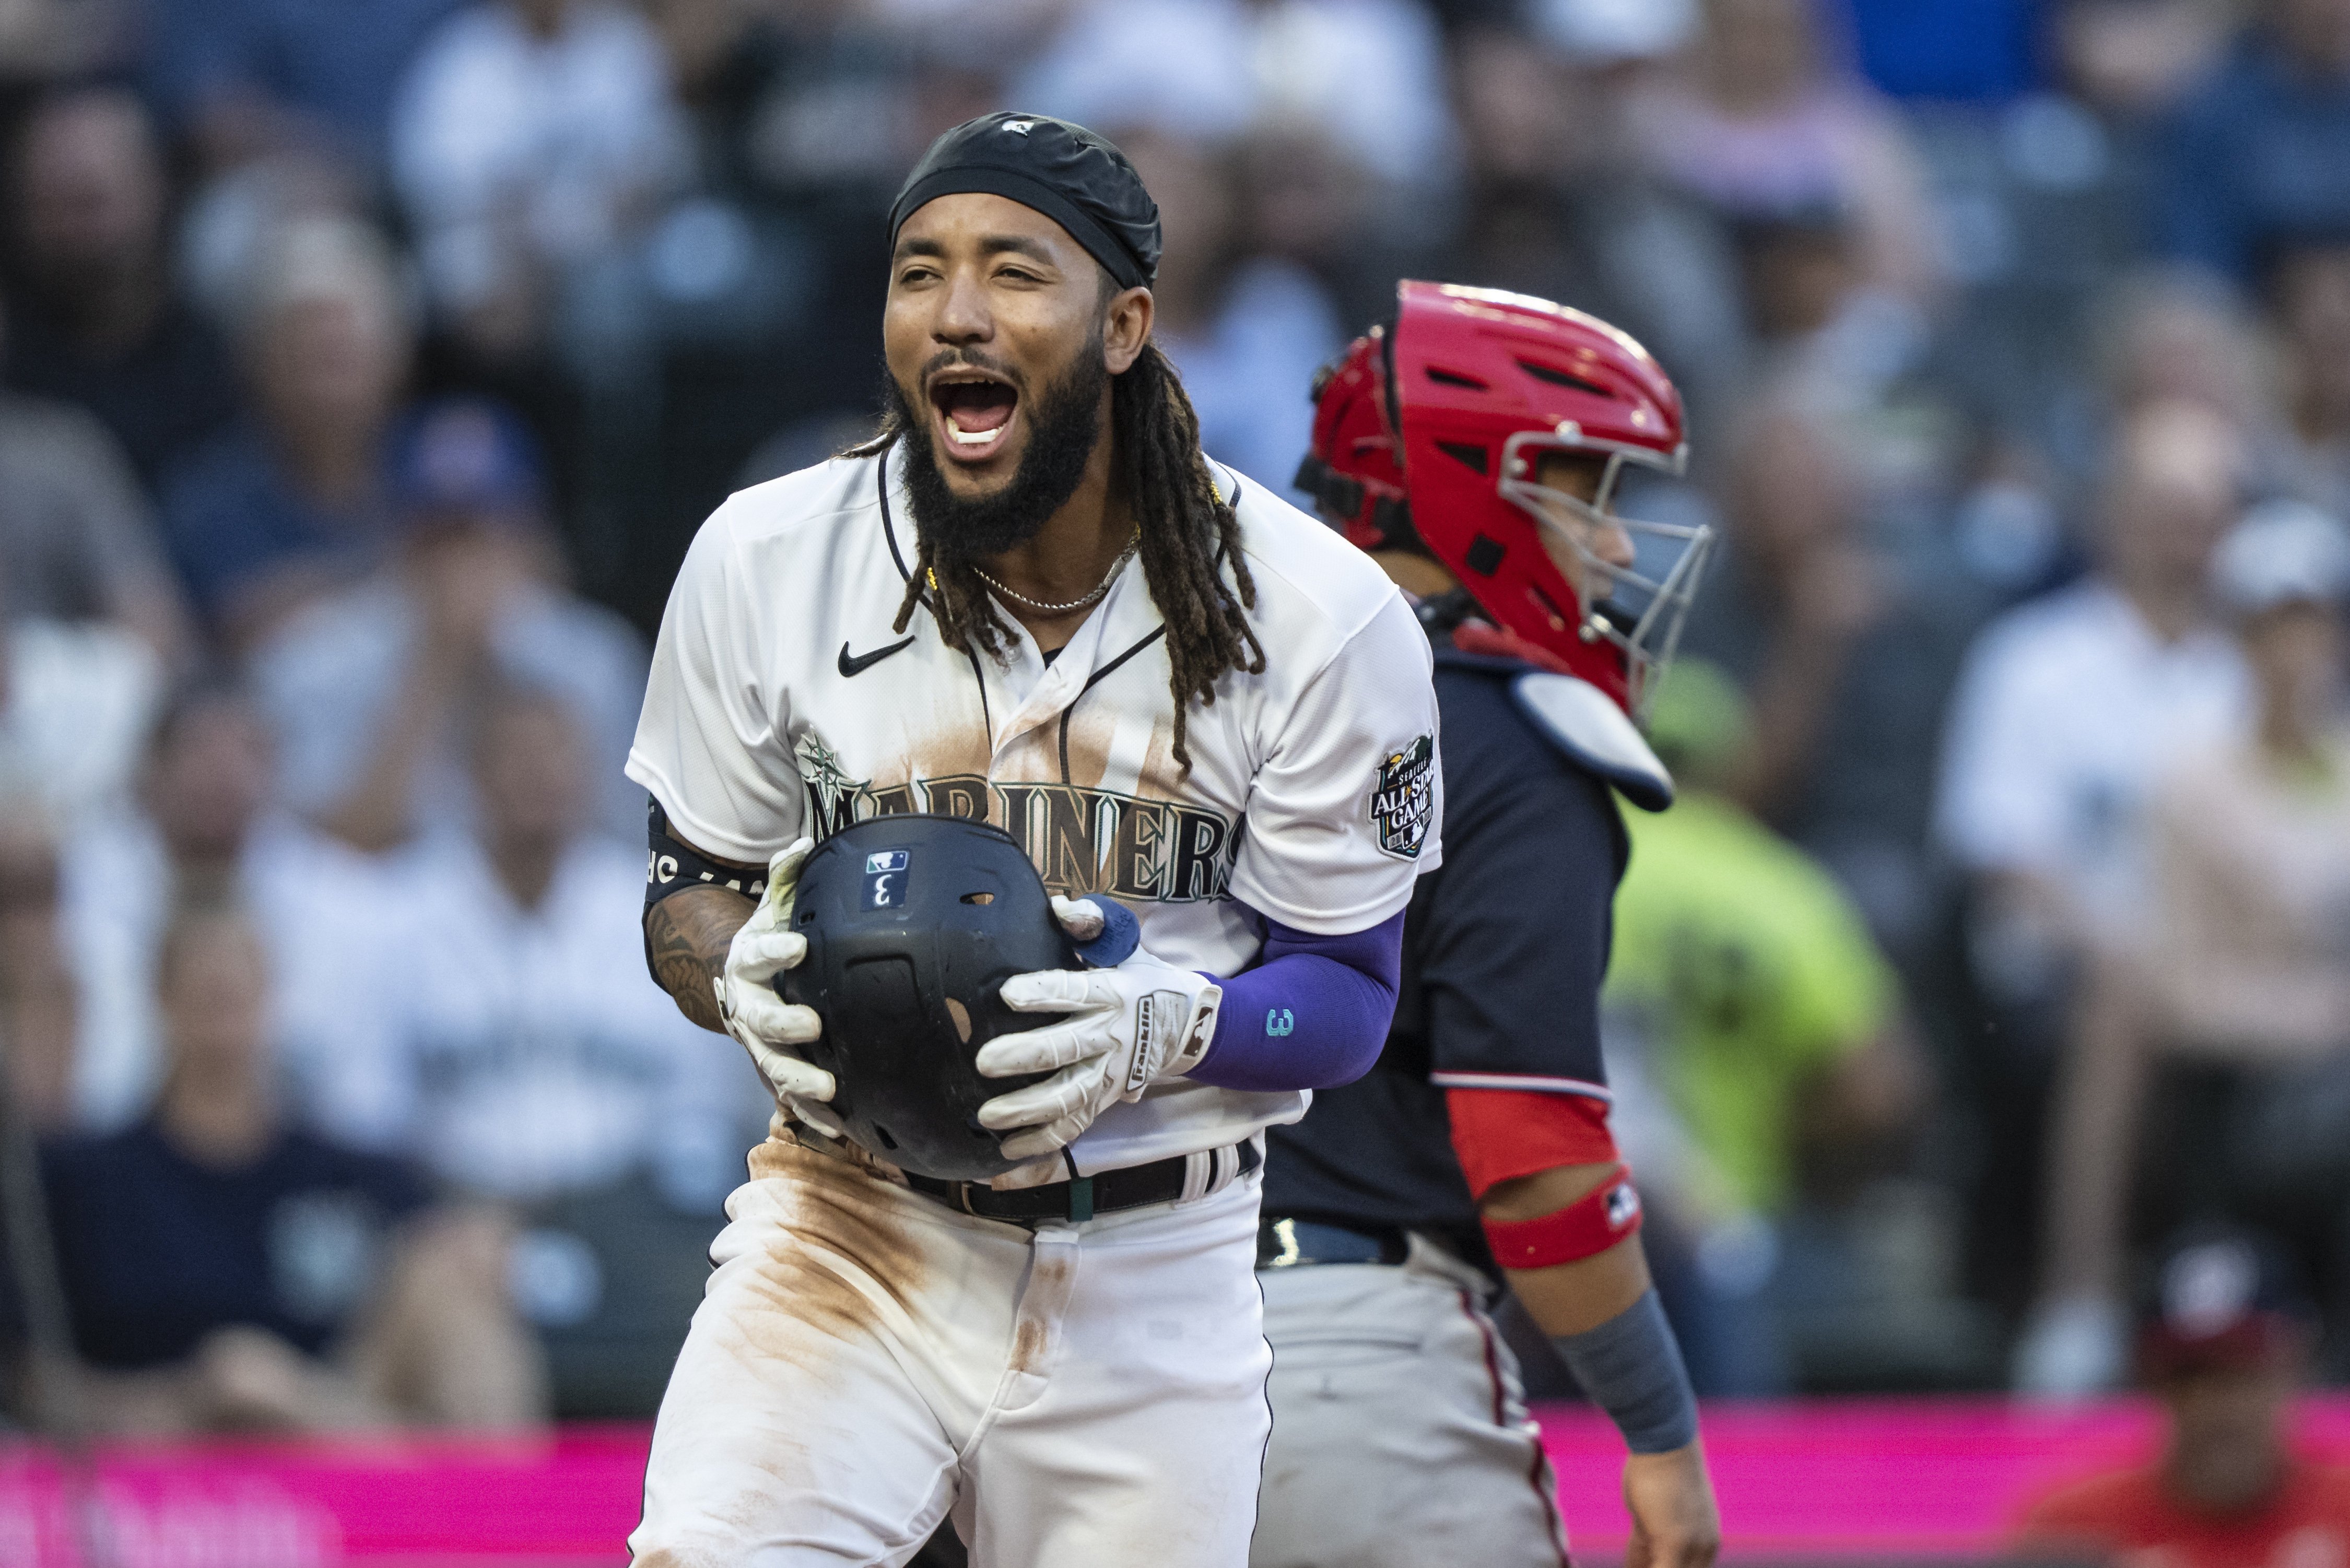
{"points": [[913, 924]]}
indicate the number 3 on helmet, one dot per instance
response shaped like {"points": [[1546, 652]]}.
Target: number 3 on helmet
{"points": [[1429, 433]]}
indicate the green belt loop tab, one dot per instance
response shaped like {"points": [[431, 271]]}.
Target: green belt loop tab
{"points": [[1081, 1198]]}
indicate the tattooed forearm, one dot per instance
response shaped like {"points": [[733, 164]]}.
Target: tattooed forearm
{"points": [[687, 935]]}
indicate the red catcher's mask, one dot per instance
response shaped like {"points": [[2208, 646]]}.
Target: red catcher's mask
{"points": [[1430, 434]]}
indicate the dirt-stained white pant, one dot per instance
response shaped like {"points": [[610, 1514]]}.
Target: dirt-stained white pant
{"points": [[867, 1362], [1400, 1431]]}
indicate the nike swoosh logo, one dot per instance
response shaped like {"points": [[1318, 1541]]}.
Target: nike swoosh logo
{"points": [[858, 664]]}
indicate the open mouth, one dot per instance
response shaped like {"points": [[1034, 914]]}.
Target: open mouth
{"points": [[974, 412]]}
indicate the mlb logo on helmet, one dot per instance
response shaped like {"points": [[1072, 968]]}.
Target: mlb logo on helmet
{"points": [[886, 872]]}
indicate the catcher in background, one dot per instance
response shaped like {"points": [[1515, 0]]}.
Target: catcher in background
{"points": [[1031, 601], [1474, 447]]}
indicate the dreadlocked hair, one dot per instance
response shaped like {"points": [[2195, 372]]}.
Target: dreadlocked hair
{"points": [[1188, 532]]}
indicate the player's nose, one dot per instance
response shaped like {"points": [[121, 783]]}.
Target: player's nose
{"points": [[1614, 544], [962, 314]]}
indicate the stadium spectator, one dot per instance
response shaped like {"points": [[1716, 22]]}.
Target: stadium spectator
{"points": [[1846, 652], [533, 1057], [94, 325], [75, 700], [369, 688], [1765, 124], [37, 997], [2173, 337], [2309, 302], [1369, 75], [2225, 1344], [2066, 711], [2132, 59], [95, 318], [68, 40], [239, 79], [534, 1062], [1795, 592], [2256, 153], [2070, 706], [532, 139], [1245, 331], [75, 697], [2157, 335], [1745, 985], [202, 828], [77, 542], [226, 1272], [289, 504], [1560, 206], [2240, 1001]]}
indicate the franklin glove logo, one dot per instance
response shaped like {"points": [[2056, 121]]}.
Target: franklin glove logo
{"points": [[1160, 1013]]}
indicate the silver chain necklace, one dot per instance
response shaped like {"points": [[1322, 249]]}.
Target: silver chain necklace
{"points": [[1078, 604]]}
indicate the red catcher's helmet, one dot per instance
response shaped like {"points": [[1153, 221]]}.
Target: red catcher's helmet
{"points": [[1430, 433]]}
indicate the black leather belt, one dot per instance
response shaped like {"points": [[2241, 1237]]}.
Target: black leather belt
{"points": [[1078, 1200], [1283, 1244]]}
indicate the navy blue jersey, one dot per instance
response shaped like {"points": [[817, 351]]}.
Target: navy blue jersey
{"points": [[157, 1250], [1504, 948]]}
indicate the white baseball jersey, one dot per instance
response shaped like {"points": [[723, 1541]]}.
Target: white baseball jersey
{"points": [[781, 703], [526, 1055]]}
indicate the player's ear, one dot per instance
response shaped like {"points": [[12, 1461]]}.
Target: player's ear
{"points": [[1125, 328]]}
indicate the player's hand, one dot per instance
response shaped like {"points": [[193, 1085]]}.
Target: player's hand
{"points": [[1675, 1523], [755, 1015], [1127, 1027]]}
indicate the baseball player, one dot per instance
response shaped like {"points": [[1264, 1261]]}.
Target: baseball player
{"points": [[1474, 446], [1032, 601]]}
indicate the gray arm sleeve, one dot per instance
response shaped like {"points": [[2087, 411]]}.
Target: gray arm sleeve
{"points": [[1631, 1368]]}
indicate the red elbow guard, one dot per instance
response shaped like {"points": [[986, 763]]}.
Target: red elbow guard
{"points": [[1590, 1225]]}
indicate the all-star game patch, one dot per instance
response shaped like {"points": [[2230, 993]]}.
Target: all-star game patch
{"points": [[1403, 801]]}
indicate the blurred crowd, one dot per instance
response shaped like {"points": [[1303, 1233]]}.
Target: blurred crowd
{"points": [[368, 368]]}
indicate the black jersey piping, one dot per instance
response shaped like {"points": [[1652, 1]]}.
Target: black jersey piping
{"points": [[888, 525], [890, 532], [1091, 680], [1158, 632]]}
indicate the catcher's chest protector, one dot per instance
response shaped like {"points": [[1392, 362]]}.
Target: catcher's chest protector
{"points": [[913, 924]]}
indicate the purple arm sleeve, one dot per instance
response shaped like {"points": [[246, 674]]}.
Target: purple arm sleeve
{"points": [[1312, 1014]]}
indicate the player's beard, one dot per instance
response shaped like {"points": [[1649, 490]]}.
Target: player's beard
{"points": [[1063, 423]]}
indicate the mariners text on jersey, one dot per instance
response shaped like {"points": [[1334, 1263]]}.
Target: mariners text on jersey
{"points": [[1314, 797]]}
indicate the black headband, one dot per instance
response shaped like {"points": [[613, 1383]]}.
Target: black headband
{"points": [[1063, 171]]}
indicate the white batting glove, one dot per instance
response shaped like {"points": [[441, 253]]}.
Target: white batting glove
{"points": [[1126, 1028], [755, 1013]]}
